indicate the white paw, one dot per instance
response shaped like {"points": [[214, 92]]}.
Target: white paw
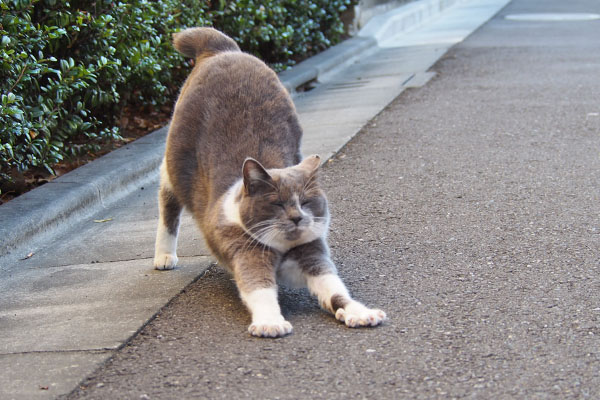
{"points": [[272, 329], [165, 261], [356, 315]]}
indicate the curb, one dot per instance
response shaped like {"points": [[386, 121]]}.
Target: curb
{"points": [[81, 192], [404, 19], [312, 68]]}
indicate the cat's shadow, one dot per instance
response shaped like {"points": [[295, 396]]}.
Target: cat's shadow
{"points": [[297, 302], [217, 294]]}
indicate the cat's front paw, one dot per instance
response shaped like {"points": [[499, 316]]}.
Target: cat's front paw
{"points": [[356, 315], [165, 261], [270, 328]]}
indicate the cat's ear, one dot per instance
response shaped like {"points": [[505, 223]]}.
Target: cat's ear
{"points": [[311, 163], [256, 178]]}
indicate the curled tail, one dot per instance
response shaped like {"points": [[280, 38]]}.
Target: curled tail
{"points": [[195, 42]]}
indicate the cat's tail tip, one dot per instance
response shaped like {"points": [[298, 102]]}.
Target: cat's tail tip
{"points": [[194, 42]]}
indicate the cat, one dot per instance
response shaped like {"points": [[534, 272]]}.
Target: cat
{"points": [[233, 160]]}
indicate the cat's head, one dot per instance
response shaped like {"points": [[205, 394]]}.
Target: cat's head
{"points": [[283, 208]]}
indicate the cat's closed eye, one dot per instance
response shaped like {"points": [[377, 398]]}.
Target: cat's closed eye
{"points": [[305, 202]]}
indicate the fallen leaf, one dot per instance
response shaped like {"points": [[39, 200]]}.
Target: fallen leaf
{"points": [[98, 221], [141, 122]]}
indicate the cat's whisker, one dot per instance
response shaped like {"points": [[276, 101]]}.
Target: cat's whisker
{"points": [[266, 233], [252, 242], [310, 184], [257, 229], [258, 240], [260, 236], [269, 236], [268, 194], [251, 236]]}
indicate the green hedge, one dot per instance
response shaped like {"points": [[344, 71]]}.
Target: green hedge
{"points": [[67, 68]]}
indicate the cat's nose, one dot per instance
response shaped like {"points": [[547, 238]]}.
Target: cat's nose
{"points": [[296, 219]]}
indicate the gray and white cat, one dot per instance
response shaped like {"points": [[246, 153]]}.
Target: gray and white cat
{"points": [[233, 160]]}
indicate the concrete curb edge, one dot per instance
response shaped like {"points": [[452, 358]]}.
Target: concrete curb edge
{"points": [[404, 19]]}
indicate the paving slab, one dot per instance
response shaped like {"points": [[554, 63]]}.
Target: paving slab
{"points": [[94, 306], [43, 375]]}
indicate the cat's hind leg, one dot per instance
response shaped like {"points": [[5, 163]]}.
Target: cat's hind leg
{"points": [[169, 208], [323, 282]]}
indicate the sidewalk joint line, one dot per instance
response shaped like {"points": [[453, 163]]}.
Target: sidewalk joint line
{"points": [[98, 350]]}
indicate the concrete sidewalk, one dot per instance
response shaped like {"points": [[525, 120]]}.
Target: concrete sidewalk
{"points": [[76, 253]]}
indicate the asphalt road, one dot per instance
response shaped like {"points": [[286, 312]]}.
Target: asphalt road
{"points": [[467, 210]]}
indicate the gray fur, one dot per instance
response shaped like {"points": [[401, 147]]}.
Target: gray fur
{"points": [[170, 209], [235, 128], [234, 119]]}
